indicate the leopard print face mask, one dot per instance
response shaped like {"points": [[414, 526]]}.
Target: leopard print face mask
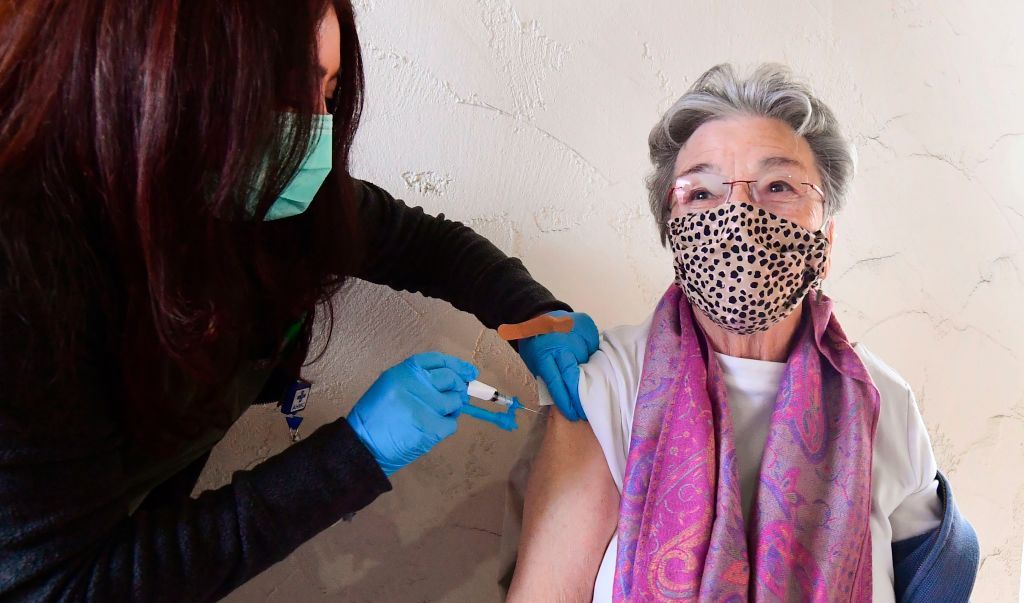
{"points": [[744, 267]]}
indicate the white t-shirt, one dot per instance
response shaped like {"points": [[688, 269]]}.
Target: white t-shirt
{"points": [[904, 497]]}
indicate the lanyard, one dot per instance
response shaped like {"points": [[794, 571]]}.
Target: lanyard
{"points": [[292, 403], [295, 397]]}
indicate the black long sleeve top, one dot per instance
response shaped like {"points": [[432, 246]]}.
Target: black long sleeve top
{"points": [[67, 530]]}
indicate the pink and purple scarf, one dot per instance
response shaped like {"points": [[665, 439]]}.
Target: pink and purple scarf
{"points": [[681, 530]]}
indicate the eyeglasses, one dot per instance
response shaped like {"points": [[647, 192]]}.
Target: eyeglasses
{"points": [[774, 190]]}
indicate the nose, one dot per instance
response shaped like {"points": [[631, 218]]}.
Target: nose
{"points": [[739, 191]]}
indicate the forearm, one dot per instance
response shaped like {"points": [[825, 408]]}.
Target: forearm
{"points": [[409, 250], [200, 549], [569, 517]]}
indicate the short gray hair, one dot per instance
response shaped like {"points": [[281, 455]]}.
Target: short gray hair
{"points": [[772, 92]]}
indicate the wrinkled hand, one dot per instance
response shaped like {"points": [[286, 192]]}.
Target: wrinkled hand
{"points": [[555, 359], [411, 407]]}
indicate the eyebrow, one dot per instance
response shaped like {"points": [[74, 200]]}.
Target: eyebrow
{"points": [[770, 162], [700, 168]]}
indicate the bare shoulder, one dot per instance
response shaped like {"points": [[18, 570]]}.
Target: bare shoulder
{"points": [[569, 517]]}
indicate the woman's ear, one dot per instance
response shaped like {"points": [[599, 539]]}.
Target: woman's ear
{"points": [[830, 232]]}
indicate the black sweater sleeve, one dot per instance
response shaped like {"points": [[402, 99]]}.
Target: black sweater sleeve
{"points": [[65, 528], [408, 249], [65, 532]]}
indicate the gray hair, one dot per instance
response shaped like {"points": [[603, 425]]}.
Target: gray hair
{"points": [[770, 92]]}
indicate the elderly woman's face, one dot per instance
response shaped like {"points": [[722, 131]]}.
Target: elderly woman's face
{"points": [[751, 148]]}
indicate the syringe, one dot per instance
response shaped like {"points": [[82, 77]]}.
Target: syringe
{"points": [[482, 391]]}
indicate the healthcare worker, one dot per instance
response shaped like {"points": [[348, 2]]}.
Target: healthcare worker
{"points": [[174, 204]]}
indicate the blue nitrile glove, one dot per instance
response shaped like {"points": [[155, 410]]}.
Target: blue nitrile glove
{"points": [[555, 358], [411, 407]]}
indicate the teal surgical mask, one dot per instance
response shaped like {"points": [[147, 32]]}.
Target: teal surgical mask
{"points": [[313, 170]]}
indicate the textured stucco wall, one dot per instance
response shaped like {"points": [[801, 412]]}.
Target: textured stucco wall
{"points": [[528, 119]]}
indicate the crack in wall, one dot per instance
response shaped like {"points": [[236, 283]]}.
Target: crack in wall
{"points": [[574, 153], [878, 140], [991, 277], [969, 175], [475, 529], [996, 552], [999, 139], [399, 61], [868, 262], [880, 131], [958, 166], [981, 282], [941, 325]]}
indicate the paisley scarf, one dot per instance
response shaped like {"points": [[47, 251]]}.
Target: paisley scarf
{"points": [[681, 530]]}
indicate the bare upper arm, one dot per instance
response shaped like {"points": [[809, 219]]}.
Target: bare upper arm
{"points": [[570, 514]]}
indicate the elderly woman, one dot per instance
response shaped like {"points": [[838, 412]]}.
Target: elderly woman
{"points": [[739, 446]]}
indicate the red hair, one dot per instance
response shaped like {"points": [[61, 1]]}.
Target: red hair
{"points": [[133, 131]]}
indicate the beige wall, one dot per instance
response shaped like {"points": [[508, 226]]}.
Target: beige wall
{"points": [[528, 120]]}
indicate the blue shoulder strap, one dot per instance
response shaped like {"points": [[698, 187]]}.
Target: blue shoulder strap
{"points": [[940, 565]]}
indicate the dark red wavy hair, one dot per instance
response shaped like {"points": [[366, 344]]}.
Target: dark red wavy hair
{"points": [[131, 136]]}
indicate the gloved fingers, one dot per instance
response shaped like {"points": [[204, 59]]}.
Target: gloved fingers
{"points": [[570, 370], [436, 360], [446, 404], [450, 425], [529, 352], [403, 414], [428, 360], [504, 420], [549, 371], [565, 359], [584, 327], [572, 343], [447, 380], [442, 426], [553, 342]]}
